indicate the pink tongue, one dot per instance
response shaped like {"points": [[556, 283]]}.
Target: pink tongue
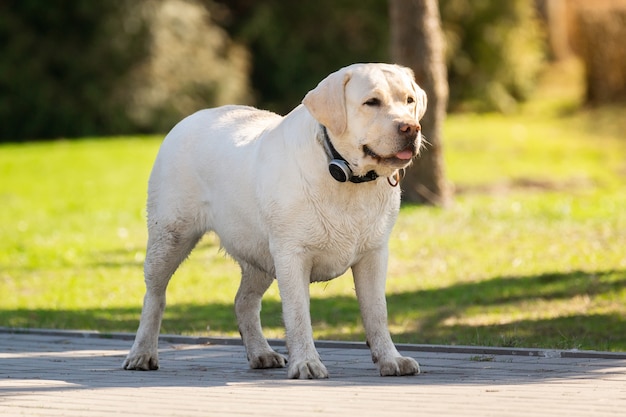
{"points": [[406, 154]]}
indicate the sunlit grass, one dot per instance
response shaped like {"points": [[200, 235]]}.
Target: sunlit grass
{"points": [[531, 253]]}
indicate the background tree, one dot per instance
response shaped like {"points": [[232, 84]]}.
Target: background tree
{"points": [[127, 66], [417, 42], [599, 34]]}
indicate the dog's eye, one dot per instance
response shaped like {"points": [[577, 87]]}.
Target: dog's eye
{"points": [[410, 100], [374, 102]]}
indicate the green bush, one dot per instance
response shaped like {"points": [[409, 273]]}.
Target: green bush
{"points": [[295, 44], [63, 67], [495, 51], [81, 67]]}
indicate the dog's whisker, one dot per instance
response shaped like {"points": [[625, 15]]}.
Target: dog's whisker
{"points": [[425, 142]]}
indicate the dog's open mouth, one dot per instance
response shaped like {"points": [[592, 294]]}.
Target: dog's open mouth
{"points": [[400, 158]]}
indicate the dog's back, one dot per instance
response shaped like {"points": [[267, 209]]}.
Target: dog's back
{"points": [[204, 155]]}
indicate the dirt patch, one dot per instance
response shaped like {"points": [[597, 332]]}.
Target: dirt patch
{"points": [[526, 184]]}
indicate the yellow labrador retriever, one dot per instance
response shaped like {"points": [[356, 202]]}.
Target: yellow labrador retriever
{"points": [[299, 199]]}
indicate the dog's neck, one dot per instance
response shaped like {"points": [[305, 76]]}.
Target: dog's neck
{"points": [[340, 168]]}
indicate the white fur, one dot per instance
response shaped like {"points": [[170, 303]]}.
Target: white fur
{"points": [[261, 183]]}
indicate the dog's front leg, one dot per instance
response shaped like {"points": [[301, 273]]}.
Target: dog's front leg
{"points": [[369, 280], [293, 275]]}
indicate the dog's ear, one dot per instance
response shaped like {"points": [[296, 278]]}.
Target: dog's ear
{"points": [[327, 102], [422, 101], [420, 95]]}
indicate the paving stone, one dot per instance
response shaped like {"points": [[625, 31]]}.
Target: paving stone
{"points": [[57, 373]]}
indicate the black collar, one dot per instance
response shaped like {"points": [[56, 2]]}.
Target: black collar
{"points": [[338, 160]]}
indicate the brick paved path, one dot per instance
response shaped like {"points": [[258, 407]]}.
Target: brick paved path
{"points": [[79, 374]]}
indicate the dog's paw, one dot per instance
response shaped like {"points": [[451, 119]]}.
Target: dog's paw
{"points": [[146, 361], [399, 366], [267, 360], [308, 369]]}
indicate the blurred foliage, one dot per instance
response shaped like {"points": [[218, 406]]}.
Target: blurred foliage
{"points": [[192, 64], [78, 67], [295, 44], [63, 65], [495, 52]]}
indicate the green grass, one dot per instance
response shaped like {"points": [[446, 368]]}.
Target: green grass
{"points": [[532, 253]]}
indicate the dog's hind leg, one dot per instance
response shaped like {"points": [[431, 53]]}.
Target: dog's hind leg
{"points": [[254, 283], [168, 246]]}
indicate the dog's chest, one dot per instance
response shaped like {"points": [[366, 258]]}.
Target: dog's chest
{"points": [[333, 237], [349, 241]]}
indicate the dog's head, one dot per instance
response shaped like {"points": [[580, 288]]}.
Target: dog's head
{"points": [[372, 114]]}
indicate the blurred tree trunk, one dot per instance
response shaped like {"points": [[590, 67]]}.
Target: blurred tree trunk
{"points": [[601, 34], [417, 42]]}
